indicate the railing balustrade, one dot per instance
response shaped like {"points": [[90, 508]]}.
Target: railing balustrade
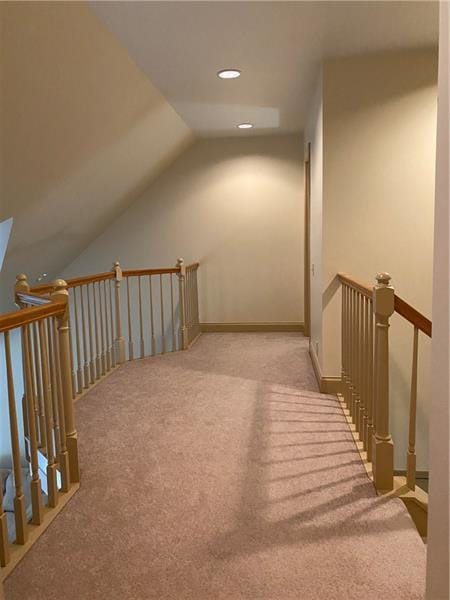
{"points": [[43, 439], [69, 336], [366, 312], [121, 315], [192, 320]]}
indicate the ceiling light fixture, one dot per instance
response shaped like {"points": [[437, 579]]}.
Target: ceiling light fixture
{"points": [[229, 74], [245, 126]]}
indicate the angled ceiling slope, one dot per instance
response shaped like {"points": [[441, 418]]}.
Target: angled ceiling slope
{"points": [[84, 131], [277, 45]]}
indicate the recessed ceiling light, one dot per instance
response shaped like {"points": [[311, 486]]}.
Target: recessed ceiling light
{"points": [[245, 126], [229, 74]]}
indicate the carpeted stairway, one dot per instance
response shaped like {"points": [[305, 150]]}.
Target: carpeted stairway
{"points": [[221, 473]]}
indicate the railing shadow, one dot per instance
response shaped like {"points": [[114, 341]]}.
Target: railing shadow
{"points": [[334, 500]]}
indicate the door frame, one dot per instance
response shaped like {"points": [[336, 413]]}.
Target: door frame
{"points": [[307, 243]]}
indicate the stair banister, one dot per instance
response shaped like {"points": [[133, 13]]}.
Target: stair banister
{"points": [[382, 445], [87, 311], [19, 498], [365, 314], [61, 294], [411, 453], [22, 288], [120, 341], [182, 285], [30, 412]]}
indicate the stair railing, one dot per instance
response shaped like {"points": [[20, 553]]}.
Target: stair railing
{"points": [[44, 451], [366, 313], [121, 315], [68, 336], [191, 318]]}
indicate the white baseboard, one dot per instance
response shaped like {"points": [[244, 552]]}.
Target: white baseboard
{"points": [[327, 385]]}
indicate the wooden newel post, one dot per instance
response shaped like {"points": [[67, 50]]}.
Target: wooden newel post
{"points": [[382, 445], [60, 294], [22, 286], [119, 341], [182, 288]]}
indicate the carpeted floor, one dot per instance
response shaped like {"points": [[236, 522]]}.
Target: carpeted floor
{"points": [[221, 473]]}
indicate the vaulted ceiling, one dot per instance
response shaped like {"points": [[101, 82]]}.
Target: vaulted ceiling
{"points": [[83, 133], [277, 45]]}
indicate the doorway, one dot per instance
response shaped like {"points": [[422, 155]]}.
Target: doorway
{"points": [[307, 251]]}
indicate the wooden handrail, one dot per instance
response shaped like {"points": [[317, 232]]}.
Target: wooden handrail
{"points": [[192, 266], [401, 307], [44, 289], [412, 315], [360, 286], [47, 288], [138, 272], [18, 318], [76, 281]]}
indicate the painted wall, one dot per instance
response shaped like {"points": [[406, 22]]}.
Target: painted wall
{"points": [[438, 543], [83, 133], [237, 206], [314, 135], [379, 133]]}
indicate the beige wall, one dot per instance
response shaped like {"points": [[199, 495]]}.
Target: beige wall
{"points": [[379, 128], [237, 206], [438, 564], [83, 132]]}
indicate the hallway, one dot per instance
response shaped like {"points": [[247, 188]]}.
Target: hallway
{"points": [[221, 473]]}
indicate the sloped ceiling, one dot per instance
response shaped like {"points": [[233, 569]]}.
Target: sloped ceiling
{"points": [[83, 132], [278, 45]]}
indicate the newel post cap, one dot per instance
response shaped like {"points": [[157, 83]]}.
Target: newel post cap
{"points": [[383, 278], [60, 283], [21, 283], [60, 293], [383, 296], [21, 286], [117, 270], [181, 266], [60, 287]]}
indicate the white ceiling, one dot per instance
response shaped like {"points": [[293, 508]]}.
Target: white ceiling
{"points": [[277, 45]]}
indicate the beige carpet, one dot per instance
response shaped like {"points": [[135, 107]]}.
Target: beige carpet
{"points": [[222, 473]]}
